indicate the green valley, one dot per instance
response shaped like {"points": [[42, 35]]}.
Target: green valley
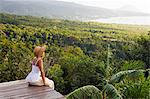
{"points": [[113, 58]]}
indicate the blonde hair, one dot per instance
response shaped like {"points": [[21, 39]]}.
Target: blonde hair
{"points": [[38, 51]]}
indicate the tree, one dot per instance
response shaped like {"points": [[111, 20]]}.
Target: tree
{"points": [[109, 91], [86, 92]]}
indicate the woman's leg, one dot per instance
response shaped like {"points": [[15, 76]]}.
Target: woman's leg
{"points": [[49, 83], [39, 83]]}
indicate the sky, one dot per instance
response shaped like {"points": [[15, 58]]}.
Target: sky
{"points": [[140, 5], [134, 5]]}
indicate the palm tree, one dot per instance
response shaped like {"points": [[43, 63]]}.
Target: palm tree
{"points": [[109, 91], [86, 92]]}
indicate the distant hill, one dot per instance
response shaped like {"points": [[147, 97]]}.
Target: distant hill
{"points": [[129, 8], [60, 9]]}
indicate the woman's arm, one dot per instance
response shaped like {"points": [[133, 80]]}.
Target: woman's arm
{"points": [[40, 64]]}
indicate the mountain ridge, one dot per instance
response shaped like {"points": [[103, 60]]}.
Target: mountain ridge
{"points": [[61, 9]]}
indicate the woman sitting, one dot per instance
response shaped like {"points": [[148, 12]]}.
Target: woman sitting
{"points": [[37, 75]]}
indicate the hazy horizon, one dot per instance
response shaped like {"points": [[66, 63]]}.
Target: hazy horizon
{"points": [[133, 5], [136, 5]]}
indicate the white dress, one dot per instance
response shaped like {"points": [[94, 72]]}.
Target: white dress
{"points": [[34, 75], [34, 78]]}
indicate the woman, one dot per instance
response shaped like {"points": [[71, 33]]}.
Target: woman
{"points": [[37, 75]]}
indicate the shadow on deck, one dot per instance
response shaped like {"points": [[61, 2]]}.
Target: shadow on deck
{"points": [[20, 90]]}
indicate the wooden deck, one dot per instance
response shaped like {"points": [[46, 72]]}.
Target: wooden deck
{"points": [[20, 90]]}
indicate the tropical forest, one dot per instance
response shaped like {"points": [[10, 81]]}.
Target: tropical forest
{"points": [[86, 60]]}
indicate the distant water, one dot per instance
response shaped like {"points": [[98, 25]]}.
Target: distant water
{"points": [[126, 20]]}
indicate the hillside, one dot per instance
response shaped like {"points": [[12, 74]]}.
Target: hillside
{"points": [[59, 9], [77, 53]]}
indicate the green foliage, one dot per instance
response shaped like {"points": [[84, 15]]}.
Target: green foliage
{"points": [[144, 42], [111, 92], [137, 90], [80, 71], [134, 74], [56, 74], [14, 61], [77, 54], [86, 92], [132, 64]]}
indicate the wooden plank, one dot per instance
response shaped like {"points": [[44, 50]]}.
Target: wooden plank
{"points": [[37, 95], [14, 87], [11, 83], [52, 95], [27, 94], [25, 90], [20, 90]]}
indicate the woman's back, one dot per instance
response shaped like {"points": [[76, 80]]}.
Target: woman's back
{"points": [[34, 75], [35, 69]]}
